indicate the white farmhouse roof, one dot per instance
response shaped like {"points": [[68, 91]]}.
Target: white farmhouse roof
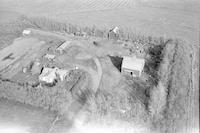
{"points": [[133, 63], [64, 45], [26, 32], [49, 75]]}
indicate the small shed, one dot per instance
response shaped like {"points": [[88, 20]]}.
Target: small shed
{"points": [[26, 32], [50, 57], [63, 46], [114, 33], [132, 65]]}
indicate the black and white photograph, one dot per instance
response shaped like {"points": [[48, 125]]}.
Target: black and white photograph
{"points": [[99, 66]]}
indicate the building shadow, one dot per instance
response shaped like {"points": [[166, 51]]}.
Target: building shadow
{"points": [[116, 61]]}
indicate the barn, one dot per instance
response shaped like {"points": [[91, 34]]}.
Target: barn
{"points": [[132, 65]]}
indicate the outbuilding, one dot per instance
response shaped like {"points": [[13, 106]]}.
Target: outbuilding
{"points": [[63, 46], [132, 65], [114, 33], [50, 57]]}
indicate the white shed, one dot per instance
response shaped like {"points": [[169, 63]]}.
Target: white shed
{"points": [[63, 46], [132, 65], [26, 32], [50, 57]]}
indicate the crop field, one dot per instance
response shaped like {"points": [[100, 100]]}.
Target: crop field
{"points": [[168, 19]]}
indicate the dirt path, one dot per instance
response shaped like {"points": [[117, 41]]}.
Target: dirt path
{"points": [[100, 73], [96, 75], [194, 91]]}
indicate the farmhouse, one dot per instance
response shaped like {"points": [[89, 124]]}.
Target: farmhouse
{"points": [[49, 75], [132, 65], [63, 46], [26, 32]]}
